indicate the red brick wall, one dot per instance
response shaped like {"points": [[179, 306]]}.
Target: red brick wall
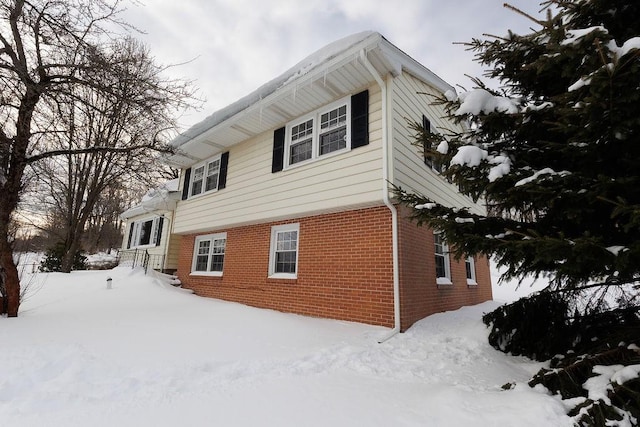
{"points": [[344, 268], [420, 296]]}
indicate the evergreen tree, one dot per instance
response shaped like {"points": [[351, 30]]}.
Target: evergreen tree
{"points": [[554, 152], [555, 155]]}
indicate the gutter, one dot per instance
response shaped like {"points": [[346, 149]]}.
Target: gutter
{"points": [[385, 195]]}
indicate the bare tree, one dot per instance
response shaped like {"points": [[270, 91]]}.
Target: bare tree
{"points": [[59, 62]]}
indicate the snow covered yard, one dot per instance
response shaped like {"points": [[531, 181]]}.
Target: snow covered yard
{"points": [[147, 354]]}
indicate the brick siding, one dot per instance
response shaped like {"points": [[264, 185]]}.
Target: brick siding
{"points": [[420, 296], [344, 270]]}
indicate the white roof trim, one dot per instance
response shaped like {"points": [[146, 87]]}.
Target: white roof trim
{"points": [[331, 57]]}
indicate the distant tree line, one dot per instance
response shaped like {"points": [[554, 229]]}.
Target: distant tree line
{"points": [[84, 112]]}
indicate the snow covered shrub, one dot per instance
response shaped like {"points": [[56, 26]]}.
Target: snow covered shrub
{"points": [[595, 357], [537, 326], [603, 387], [53, 259]]}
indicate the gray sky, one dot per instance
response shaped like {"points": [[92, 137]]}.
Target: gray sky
{"points": [[234, 46]]}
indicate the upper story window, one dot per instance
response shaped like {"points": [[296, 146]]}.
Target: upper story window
{"points": [[145, 232], [207, 176], [336, 128], [324, 132]]}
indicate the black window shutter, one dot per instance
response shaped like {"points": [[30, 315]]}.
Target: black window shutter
{"points": [[159, 231], [224, 165], [426, 124], [185, 186], [277, 162], [130, 235], [360, 119]]}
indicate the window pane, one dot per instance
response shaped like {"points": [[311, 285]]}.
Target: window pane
{"points": [[440, 268], [219, 245], [334, 118], [212, 182], [217, 261], [213, 170], [203, 247], [286, 262], [201, 262], [302, 131], [333, 140], [439, 243], [145, 232], [196, 184], [286, 241], [300, 151]]}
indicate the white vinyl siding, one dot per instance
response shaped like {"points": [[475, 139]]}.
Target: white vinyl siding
{"points": [[411, 98], [253, 194]]}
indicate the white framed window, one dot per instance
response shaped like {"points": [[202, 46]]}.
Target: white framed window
{"points": [[443, 265], [283, 254], [208, 254], [205, 177], [470, 266], [323, 132], [145, 232]]}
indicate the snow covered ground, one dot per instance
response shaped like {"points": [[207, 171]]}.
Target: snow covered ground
{"points": [[146, 354]]}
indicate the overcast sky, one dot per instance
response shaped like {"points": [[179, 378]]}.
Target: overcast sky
{"points": [[234, 46]]}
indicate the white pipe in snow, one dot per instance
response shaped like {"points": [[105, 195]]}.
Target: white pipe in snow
{"points": [[385, 195]]}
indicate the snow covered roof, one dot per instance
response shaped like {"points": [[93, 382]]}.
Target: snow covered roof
{"points": [[164, 197], [332, 72]]}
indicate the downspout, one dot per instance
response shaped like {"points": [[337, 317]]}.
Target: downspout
{"points": [[385, 195]]}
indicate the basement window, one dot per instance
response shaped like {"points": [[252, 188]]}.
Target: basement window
{"points": [[208, 254], [283, 255], [470, 266], [443, 266]]}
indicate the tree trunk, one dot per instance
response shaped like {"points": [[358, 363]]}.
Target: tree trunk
{"points": [[8, 269], [12, 280], [73, 240], [70, 250]]}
